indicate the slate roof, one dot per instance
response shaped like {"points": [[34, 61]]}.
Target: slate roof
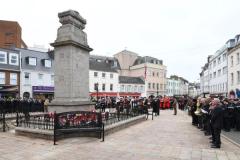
{"points": [[101, 66], [148, 59], [131, 80]]}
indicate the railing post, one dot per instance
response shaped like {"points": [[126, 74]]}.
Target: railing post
{"points": [[4, 121], [54, 129], [152, 115], [118, 114], [17, 120], [103, 132]]}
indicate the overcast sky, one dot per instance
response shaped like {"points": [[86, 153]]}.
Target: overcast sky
{"points": [[180, 32]]}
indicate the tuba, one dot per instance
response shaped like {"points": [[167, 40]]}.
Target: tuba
{"points": [[198, 112]]}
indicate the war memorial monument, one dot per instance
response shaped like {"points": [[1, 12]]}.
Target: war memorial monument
{"points": [[71, 67]]}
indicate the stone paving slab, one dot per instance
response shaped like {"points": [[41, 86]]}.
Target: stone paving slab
{"points": [[167, 137], [233, 135]]}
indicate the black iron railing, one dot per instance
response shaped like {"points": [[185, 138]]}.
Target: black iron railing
{"points": [[78, 121], [74, 122], [3, 121], [40, 121]]}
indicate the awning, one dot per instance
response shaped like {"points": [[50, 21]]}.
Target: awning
{"points": [[42, 89], [8, 88], [104, 94]]}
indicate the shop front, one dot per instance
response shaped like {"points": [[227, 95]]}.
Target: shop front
{"points": [[42, 92], [103, 94], [130, 94], [9, 91]]}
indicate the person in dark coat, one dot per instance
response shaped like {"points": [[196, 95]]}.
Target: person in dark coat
{"points": [[217, 122]]}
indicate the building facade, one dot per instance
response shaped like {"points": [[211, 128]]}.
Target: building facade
{"points": [[177, 86], [234, 68], [11, 35], [9, 73], [103, 77], [216, 75], [131, 86], [173, 87], [37, 74], [194, 89], [148, 68]]}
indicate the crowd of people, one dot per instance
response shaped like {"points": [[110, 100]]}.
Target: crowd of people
{"points": [[127, 104], [13, 105], [211, 115]]}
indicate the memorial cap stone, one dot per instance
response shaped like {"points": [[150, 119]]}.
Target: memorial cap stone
{"points": [[72, 17]]}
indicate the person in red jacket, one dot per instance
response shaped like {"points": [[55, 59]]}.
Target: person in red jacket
{"points": [[161, 102]]}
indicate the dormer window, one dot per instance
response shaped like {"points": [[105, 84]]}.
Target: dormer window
{"points": [[13, 59], [31, 61], [3, 57], [47, 63]]}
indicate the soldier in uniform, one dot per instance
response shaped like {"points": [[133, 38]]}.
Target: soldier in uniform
{"points": [[175, 105], [216, 122], [237, 115]]}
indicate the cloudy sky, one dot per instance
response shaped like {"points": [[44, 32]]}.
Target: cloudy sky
{"points": [[180, 32]]}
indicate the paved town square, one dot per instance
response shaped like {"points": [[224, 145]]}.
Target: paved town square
{"points": [[167, 137]]}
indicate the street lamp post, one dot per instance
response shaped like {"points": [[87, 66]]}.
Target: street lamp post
{"points": [[97, 90]]}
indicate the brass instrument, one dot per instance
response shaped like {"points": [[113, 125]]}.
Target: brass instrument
{"points": [[198, 112]]}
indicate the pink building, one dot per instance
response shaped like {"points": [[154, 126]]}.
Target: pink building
{"points": [[150, 69]]}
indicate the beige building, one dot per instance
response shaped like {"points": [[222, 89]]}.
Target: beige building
{"points": [[150, 69], [234, 67]]}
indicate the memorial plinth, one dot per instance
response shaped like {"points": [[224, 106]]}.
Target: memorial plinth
{"points": [[71, 65]]}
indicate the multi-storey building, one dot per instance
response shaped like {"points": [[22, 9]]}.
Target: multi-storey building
{"points": [[173, 87], [219, 75], [37, 76], [218, 79], [11, 35], [103, 76], [177, 86], [131, 86], [148, 68], [194, 89], [234, 67], [9, 73], [204, 78]]}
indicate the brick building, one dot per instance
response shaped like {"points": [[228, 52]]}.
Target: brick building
{"points": [[11, 35]]}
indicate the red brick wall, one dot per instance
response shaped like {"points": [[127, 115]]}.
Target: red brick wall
{"points": [[10, 34]]}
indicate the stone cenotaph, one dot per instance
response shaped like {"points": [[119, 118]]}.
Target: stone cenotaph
{"points": [[71, 65]]}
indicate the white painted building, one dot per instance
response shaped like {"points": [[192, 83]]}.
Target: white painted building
{"points": [[177, 86], [103, 76], [37, 76], [131, 86], [204, 78], [173, 87], [218, 70], [234, 67]]}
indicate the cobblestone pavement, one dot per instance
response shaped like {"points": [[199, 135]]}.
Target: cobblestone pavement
{"points": [[167, 137]]}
